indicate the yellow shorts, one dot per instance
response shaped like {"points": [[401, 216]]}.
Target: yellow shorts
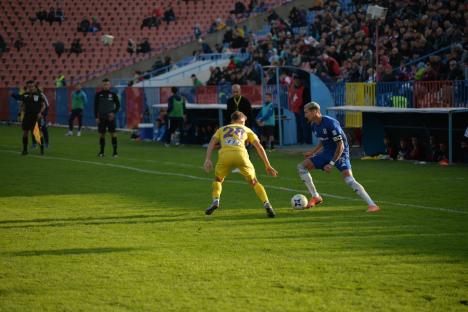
{"points": [[233, 159]]}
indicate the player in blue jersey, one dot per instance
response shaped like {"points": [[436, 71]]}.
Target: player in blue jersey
{"points": [[331, 151]]}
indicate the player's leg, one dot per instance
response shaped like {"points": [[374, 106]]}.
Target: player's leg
{"points": [[222, 169], [112, 126], [248, 171], [25, 142], [80, 121], [71, 119], [170, 132], [303, 169], [27, 124], [102, 135], [359, 189], [45, 132]]}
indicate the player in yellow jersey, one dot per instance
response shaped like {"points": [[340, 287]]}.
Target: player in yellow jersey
{"points": [[233, 154]]}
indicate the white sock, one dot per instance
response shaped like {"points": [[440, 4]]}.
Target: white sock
{"points": [[307, 179], [359, 189], [216, 201]]}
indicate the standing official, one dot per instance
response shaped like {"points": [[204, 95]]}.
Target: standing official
{"points": [[106, 105], [32, 106], [239, 103]]}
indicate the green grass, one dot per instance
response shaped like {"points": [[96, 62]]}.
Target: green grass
{"points": [[78, 233]]}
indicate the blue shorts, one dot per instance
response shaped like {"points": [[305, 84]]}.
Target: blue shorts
{"points": [[321, 159]]}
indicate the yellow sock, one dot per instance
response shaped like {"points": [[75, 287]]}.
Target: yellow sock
{"points": [[260, 191], [217, 188]]}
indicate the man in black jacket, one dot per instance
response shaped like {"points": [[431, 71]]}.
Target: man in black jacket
{"points": [[239, 103], [32, 105], [106, 105]]}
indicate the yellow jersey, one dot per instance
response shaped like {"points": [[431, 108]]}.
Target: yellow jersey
{"points": [[233, 137]]}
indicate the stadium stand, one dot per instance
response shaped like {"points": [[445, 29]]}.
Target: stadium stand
{"points": [[120, 19]]}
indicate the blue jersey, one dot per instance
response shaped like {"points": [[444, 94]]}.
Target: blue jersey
{"points": [[329, 132]]}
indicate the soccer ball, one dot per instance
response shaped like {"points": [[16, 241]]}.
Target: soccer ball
{"points": [[298, 202]]}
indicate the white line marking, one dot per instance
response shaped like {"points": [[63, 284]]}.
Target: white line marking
{"points": [[286, 189]]}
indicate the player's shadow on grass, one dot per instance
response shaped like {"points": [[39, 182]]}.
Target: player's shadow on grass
{"points": [[69, 251]]}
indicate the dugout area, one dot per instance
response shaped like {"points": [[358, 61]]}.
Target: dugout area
{"points": [[446, 124]]}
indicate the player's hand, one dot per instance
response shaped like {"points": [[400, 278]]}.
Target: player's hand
{"points": [[272, 171], [111, 116], [327, 168], [208, 165], [308, 154]]}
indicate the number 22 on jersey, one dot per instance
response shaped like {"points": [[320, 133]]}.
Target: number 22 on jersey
{"points": [[233, 135]]}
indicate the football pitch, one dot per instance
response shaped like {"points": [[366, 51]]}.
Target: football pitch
{"points": [[79, 233]]}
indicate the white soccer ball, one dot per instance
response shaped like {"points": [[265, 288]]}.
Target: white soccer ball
{"points": [[299, 202]]}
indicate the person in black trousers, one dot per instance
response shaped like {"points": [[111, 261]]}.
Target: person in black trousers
{"points": [[106, 105]]}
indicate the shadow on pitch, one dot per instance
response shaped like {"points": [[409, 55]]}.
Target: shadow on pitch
{"points": [[47, 220], [70, 251]]}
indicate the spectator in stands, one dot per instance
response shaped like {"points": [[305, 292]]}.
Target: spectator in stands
{"points": [[169, 15], [388, 75], [299, 95], [175, 111], [333, 68], [403, 150], [272, 16], [239, 8], [237, 102], [84, 26], [41, 16], [252, 5], [59, 16], [19, 43], [144, 46], [455, 72], [157, 12], [59, 48], [197, 31], [51, 16], [157, 64], [76, 47], [3, 45], [131, 47], [95, 26], [196, 82], [151, 21]]}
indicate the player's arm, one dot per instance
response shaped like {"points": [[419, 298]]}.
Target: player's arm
{"points": [[261, 152], [317, 148], [41, 111], [208, 165], [339, 150]]}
